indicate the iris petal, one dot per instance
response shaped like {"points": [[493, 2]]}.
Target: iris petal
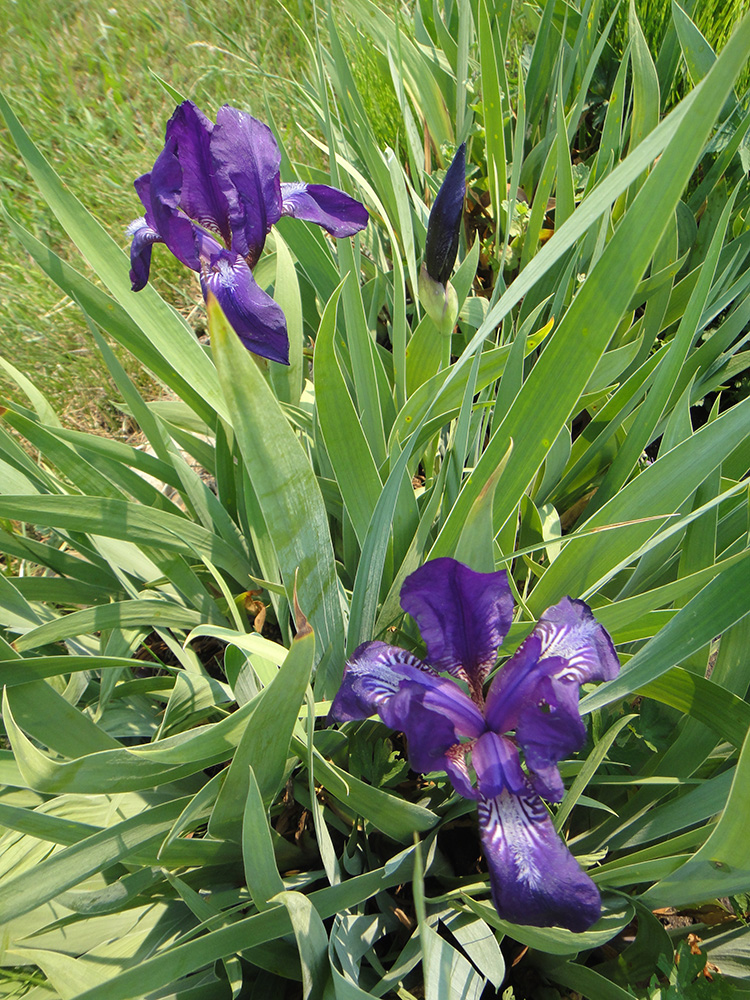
{"points": [[463, 616], [377, 674], [201, 197], [142, 187], [144, 238], [257, 320], [567, 645], [247, 162], [514, 685], [543, 712], [496, 762], [432, 738], [550, 728], [536, 692], [569, 630], [431, 711], [330, 208], [165, 186], [372, 676], [534, 877], [455, 765]]}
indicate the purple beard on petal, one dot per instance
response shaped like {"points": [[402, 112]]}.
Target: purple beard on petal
{"points": [[463, 617], [220, 182]]}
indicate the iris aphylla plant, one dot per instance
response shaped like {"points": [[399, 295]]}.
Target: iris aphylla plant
{"points": [[212, 854], [451, 725], [212, 196]]}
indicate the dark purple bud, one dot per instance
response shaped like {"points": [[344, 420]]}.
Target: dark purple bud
{"points": [[444, 226]]}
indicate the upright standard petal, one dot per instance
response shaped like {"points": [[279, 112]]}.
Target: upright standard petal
{"points": [[201, 197], [330, 208], [534, 877], [463, 617], [247, 160], [165, 195], [257, 320]]}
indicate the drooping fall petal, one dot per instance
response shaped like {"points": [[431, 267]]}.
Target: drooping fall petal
{"points": [[569, 630], [533, 876], [378, 672], [257, 319], [143, 237], [431, 711], [330, 208]]}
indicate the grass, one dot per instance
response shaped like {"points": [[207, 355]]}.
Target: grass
{"points": [[81, 76], [716, 20]]}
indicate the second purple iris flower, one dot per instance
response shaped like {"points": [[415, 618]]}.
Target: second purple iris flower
{"points": [[212, 196], [531, 705]]}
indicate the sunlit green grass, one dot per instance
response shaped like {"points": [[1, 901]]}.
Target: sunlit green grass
{"points": [[83, 77], [716, 20], [80, 75]]}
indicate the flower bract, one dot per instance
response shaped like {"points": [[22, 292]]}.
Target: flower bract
{"points": [[212, 196], [531, 707]]}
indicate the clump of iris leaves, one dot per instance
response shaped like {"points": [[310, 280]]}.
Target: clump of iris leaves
{"points": [[178, 819]]}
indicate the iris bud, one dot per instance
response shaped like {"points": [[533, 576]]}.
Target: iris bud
{"points": [[437, 295]]}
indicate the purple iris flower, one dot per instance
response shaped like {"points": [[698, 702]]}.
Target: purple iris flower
{"points": [[531, 705], [212, 196]]}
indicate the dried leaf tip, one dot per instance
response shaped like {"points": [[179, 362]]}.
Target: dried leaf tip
{"points": [[304, 628]]}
